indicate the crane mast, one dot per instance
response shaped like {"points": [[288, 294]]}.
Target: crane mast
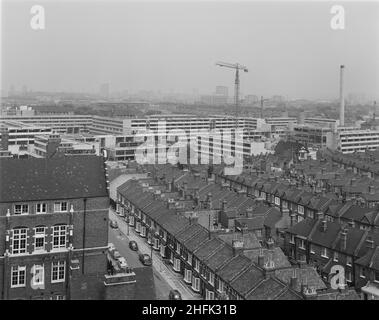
{"points": [[237, 67]]}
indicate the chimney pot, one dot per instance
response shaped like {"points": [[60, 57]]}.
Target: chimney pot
{"points": [[324, 225]]}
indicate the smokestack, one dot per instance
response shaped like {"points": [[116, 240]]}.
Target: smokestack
{"points": [[342, 98]]}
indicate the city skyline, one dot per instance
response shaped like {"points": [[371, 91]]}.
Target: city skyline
{"points": [[297, 53]]}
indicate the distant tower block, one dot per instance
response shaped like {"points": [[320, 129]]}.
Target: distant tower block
{"points": [[342, 97]]}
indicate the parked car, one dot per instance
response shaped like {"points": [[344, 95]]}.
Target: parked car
{"points": [[122, 262], [174, 295], [116, 255], [133, 245], [113, 224], [145, 259]]}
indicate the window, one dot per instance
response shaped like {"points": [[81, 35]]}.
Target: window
{"points": [[335, 256], [348, 276], [311, 215], [220, 286], [60, 206], [39, 239], [277, 201], [177, 265], [177, 248], [156, 243], [19, 244], [187, 275], [324, 252], [18, 278], [164, 235], [197, 265], [292, 239], [300, 218], [376, 276], [38, 275], [362, 272], [21, 209], [196, 284], [300, 209], [143, 231], [349, 260], [189, 258], [312, 248], [41, 208], [211, 278], [284, 204], [209, 295], [58, 271], [59, 236], [301, 244], [163, 250], [258, 233]]}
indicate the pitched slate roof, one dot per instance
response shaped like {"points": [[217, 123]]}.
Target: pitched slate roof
{"points": [[219, 257], [229, 270], [370, 259], [247, 280], [65, 177], [207, 248], [276, 255], [305, 274]]}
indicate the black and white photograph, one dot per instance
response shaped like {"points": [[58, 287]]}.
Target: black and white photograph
{"points": [[206, 151]]}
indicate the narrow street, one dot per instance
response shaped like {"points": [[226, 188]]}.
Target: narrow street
{"points": [[165, 277], [121, 242]]}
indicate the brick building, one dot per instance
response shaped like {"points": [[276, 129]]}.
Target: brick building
{"points": [[53, 228]]}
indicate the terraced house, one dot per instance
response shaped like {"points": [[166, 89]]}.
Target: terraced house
{"points": [[53, 228], [304, 202], [325, 244], [212, 267]]}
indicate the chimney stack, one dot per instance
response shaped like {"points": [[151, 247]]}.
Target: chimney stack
{"points": [[343, 239], [293, 281], [370, 243], [261, 258], [324, 225], [342, 97]]}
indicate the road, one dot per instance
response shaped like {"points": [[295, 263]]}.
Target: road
{"points": [[162, 272], [121, 242]]}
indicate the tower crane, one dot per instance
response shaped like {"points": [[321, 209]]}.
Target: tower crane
{"points": [[237, 67]]}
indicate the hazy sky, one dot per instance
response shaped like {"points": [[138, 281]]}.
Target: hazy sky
{"points": [[289, 47]]}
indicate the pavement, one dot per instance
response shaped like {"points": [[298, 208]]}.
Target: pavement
{"points": [[163, 273]]}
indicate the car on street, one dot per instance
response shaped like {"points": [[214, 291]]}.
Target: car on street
{"points": [[113, 224], [116, 255], [133, 245], [111, 246], [174, 295], [122, 262], [145, 259]]}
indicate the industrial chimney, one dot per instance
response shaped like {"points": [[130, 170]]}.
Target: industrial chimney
{"points": [[342, 98]]}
